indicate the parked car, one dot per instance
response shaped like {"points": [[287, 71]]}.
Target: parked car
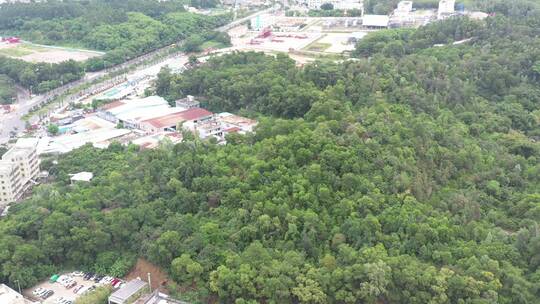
{"points": [[71, 284], [42, 292], [114, 281], [76, 289], [47, 294], [98, 278], [37, 291], [77, 273], [106, 280], [82, 290], [88, 276], [118, 284]]}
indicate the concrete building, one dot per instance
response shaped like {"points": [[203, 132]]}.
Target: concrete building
{"points": [[375, 21], [206, 129], [220, 125], [170, 122], [338, 4], [243, 124], [19, 168], [187, 103], [130, 110], [10, 183], [157, 297], [404, 7], [262, 21], [446, 8], [129, 293]]}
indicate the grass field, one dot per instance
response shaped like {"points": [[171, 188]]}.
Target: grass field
{"points": [[42, 53], [317, 47]]}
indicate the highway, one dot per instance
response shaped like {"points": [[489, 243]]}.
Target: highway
{"points": [[13, 124]]}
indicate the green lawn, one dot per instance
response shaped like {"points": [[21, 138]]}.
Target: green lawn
{"points": [[21, 50], [317, 47], [212, 44]]}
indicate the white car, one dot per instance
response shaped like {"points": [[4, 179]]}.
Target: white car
{"points": [[59, 300], [82, 290], [106, 280], [37, 291], [77, 273]]}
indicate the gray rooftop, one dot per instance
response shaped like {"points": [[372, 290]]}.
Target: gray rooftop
{"points": [[123, 294]]}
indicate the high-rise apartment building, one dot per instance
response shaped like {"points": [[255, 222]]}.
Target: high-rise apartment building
{"points": [[19, 168]]}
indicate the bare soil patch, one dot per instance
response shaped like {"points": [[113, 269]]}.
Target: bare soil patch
{"points": [[141, 269]]}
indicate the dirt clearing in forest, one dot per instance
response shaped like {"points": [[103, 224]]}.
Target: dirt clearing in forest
{"points": [[141, 269]]}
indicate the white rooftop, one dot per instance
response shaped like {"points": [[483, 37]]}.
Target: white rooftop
{"points": [[123, 294], [144, 103], [375, 20], [66, 143], [10, 296], [82, 177]]}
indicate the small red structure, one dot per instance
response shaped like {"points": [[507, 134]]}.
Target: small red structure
{"points": [[267, 32], [11, 39]]}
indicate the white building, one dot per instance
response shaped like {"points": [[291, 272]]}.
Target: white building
{"points": [[446, 8], [403, 8], [375, 21], [187, 102], [10, 183], [220, 125], [19, 168], [338, 4], [132, 112], [262, 21]]}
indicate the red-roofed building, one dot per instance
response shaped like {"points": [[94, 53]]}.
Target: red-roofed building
{"points": [[171, 121], [111, 105], [232, 130]]}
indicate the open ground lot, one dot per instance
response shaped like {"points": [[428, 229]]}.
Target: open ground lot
{"points": [[339, 42], [42, 53], [318, 37]]}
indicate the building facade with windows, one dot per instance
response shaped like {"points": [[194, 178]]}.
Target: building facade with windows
{"points": [[19, 168]]}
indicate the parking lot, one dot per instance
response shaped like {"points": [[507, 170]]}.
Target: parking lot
{"points": [[60, 291]]}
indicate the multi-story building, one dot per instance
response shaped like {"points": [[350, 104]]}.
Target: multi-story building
{"points": [[187, 102], [19, 168], [10, 183], [446, 8]]}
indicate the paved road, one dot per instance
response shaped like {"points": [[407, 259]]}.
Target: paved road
{"points": [[12, 123]]}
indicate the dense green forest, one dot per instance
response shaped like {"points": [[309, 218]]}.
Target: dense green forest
{"points": [[408, 175], [124, 29], [40, 77]]}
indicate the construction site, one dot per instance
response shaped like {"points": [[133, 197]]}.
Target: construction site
{"points": [[303, 38]]}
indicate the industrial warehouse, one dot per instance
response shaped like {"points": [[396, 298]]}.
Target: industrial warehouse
{"points": [[141, 121]]}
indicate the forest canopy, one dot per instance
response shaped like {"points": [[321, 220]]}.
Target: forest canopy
{"points": [[409, 175]]}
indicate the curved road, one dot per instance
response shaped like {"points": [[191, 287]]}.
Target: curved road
{"points": [[12, 123]]}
